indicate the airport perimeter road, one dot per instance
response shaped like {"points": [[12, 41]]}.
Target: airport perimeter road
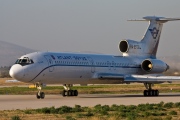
{"points": [[10, 102]]}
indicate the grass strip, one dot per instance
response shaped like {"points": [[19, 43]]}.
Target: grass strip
{"points": [[92, 89], [159, 111]]}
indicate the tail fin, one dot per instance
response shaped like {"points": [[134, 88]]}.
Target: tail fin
{"points": [[151, 38]]}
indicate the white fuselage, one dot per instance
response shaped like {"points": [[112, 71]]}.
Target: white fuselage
{"points": [[70, 68]]}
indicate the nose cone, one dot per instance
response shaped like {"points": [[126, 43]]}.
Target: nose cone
{"points": [[16, 72]]}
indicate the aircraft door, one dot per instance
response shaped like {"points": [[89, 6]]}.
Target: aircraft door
{"points": [[92, 64], [109, 65], [50, 63], [114, 65]]}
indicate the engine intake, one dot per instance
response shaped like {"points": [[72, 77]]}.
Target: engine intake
{"points": [[130, 47], [123, 46], [154, 66]]}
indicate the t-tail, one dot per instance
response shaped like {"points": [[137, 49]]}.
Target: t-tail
{"points": [[149, 44]]}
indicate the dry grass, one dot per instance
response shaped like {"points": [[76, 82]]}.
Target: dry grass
{"points": [[91, 89], [7, 115], [4, 83]]}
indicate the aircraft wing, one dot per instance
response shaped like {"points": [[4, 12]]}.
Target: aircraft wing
{"points": [[152, 78]]}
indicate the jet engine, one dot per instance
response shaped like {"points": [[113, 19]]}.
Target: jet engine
{"points": [[154, 66], [130, 46]]}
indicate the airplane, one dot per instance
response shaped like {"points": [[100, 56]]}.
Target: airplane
{"points": [[138, 64]]}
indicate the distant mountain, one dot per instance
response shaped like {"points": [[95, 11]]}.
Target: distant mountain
{"points": [[10, 52]]}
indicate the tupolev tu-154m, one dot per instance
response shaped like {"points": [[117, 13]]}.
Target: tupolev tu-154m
{"points": [[138, 64]]}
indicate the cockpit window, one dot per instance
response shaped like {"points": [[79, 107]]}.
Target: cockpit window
{"points": [[24, 61]]}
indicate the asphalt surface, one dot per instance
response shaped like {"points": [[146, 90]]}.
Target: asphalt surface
{"points": [[13, 102]]}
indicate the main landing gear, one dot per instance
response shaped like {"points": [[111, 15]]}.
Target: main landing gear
{"points": [[150, 91], [68, 92], [39, 95]]}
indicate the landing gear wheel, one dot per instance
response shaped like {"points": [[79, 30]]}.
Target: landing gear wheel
{"points": [[38, 96], [63, 93], [72, 92], [75, 93], [69, 93], [42, 95], [145, 93], [156, 92], [151, 93]]}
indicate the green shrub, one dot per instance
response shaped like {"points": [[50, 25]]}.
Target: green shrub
{"points": [[79, 115], [146, 114], [149, 106], [89, 114], [45, 110], [177, 104], [105, 108], [38, 110], [160, 108], [122, 114], [77, 108], [64, 109], [28, 112], [122, 108], [162, 114], [69, 118], [53, 110], [160, 105], [15, 118], [132, 107], [114, 107], [86, 109], [141, 107], [103, 112], [172, 112], [156, 113], [132, 115], [168, 105], [97, 108]]}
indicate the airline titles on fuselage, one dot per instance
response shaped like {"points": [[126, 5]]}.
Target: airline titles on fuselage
{"points": [[71, 58]]}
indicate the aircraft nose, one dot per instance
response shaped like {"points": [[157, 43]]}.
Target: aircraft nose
{"points": [[16, 72]]}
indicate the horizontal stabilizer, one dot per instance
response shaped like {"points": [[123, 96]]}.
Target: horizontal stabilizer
{"points": [[155, 18]]}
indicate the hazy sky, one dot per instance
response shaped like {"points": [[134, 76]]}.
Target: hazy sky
{"points": [[85, 25]]}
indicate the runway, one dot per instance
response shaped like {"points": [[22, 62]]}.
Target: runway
{"points": [[13, 102]]}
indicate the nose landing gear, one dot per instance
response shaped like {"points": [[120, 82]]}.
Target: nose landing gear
{"points": [[39, 95], [150, 91], [68, 92]]}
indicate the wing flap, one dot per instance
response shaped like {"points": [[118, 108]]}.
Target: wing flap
{"points": [[107, 76]]}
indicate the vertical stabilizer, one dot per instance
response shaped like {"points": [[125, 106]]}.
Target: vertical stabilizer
{"points": [[150, 40], [152, 36]]}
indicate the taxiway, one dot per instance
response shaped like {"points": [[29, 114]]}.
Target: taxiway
{"points": [[13, 102]]}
